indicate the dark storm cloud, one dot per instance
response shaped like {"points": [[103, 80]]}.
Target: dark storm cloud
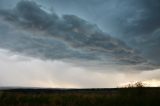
{"points": [[141, 19], [66, 37], [136, 22], [141, 29]]}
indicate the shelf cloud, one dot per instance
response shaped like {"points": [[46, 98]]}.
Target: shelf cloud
{"points": [[49, 36]]}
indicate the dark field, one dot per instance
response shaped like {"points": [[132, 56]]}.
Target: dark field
{"points": [[81, 97]]}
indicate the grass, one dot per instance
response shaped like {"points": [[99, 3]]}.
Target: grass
{"points": [[92, 97]]}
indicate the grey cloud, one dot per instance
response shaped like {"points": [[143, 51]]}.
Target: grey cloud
{"points": [[66, 37], [143, 32], [136, 22]]}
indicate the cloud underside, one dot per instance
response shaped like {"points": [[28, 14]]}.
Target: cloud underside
{"points": [[30, 30]]}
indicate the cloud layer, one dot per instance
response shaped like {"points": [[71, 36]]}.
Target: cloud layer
{"points": [[136, 22], [30, 30]]}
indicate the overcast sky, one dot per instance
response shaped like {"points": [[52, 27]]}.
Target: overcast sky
{"points": [[79, 43]]}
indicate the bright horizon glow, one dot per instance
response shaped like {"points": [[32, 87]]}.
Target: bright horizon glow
{"points": [[147, 83], [152, 83]]}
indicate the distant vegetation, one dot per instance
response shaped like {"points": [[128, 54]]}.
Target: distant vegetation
{"points": [[139, 96], [135, 85]]}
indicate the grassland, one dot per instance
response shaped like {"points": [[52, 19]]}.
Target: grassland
{"points": [[81, 97]]}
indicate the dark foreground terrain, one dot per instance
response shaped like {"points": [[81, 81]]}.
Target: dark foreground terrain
{"points": [[80, 97]]}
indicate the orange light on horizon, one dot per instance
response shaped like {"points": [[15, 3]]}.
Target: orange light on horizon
{"points": [[152, 83], [146, 83]]}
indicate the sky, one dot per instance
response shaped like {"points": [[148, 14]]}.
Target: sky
{"points": [[79, 43]]}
